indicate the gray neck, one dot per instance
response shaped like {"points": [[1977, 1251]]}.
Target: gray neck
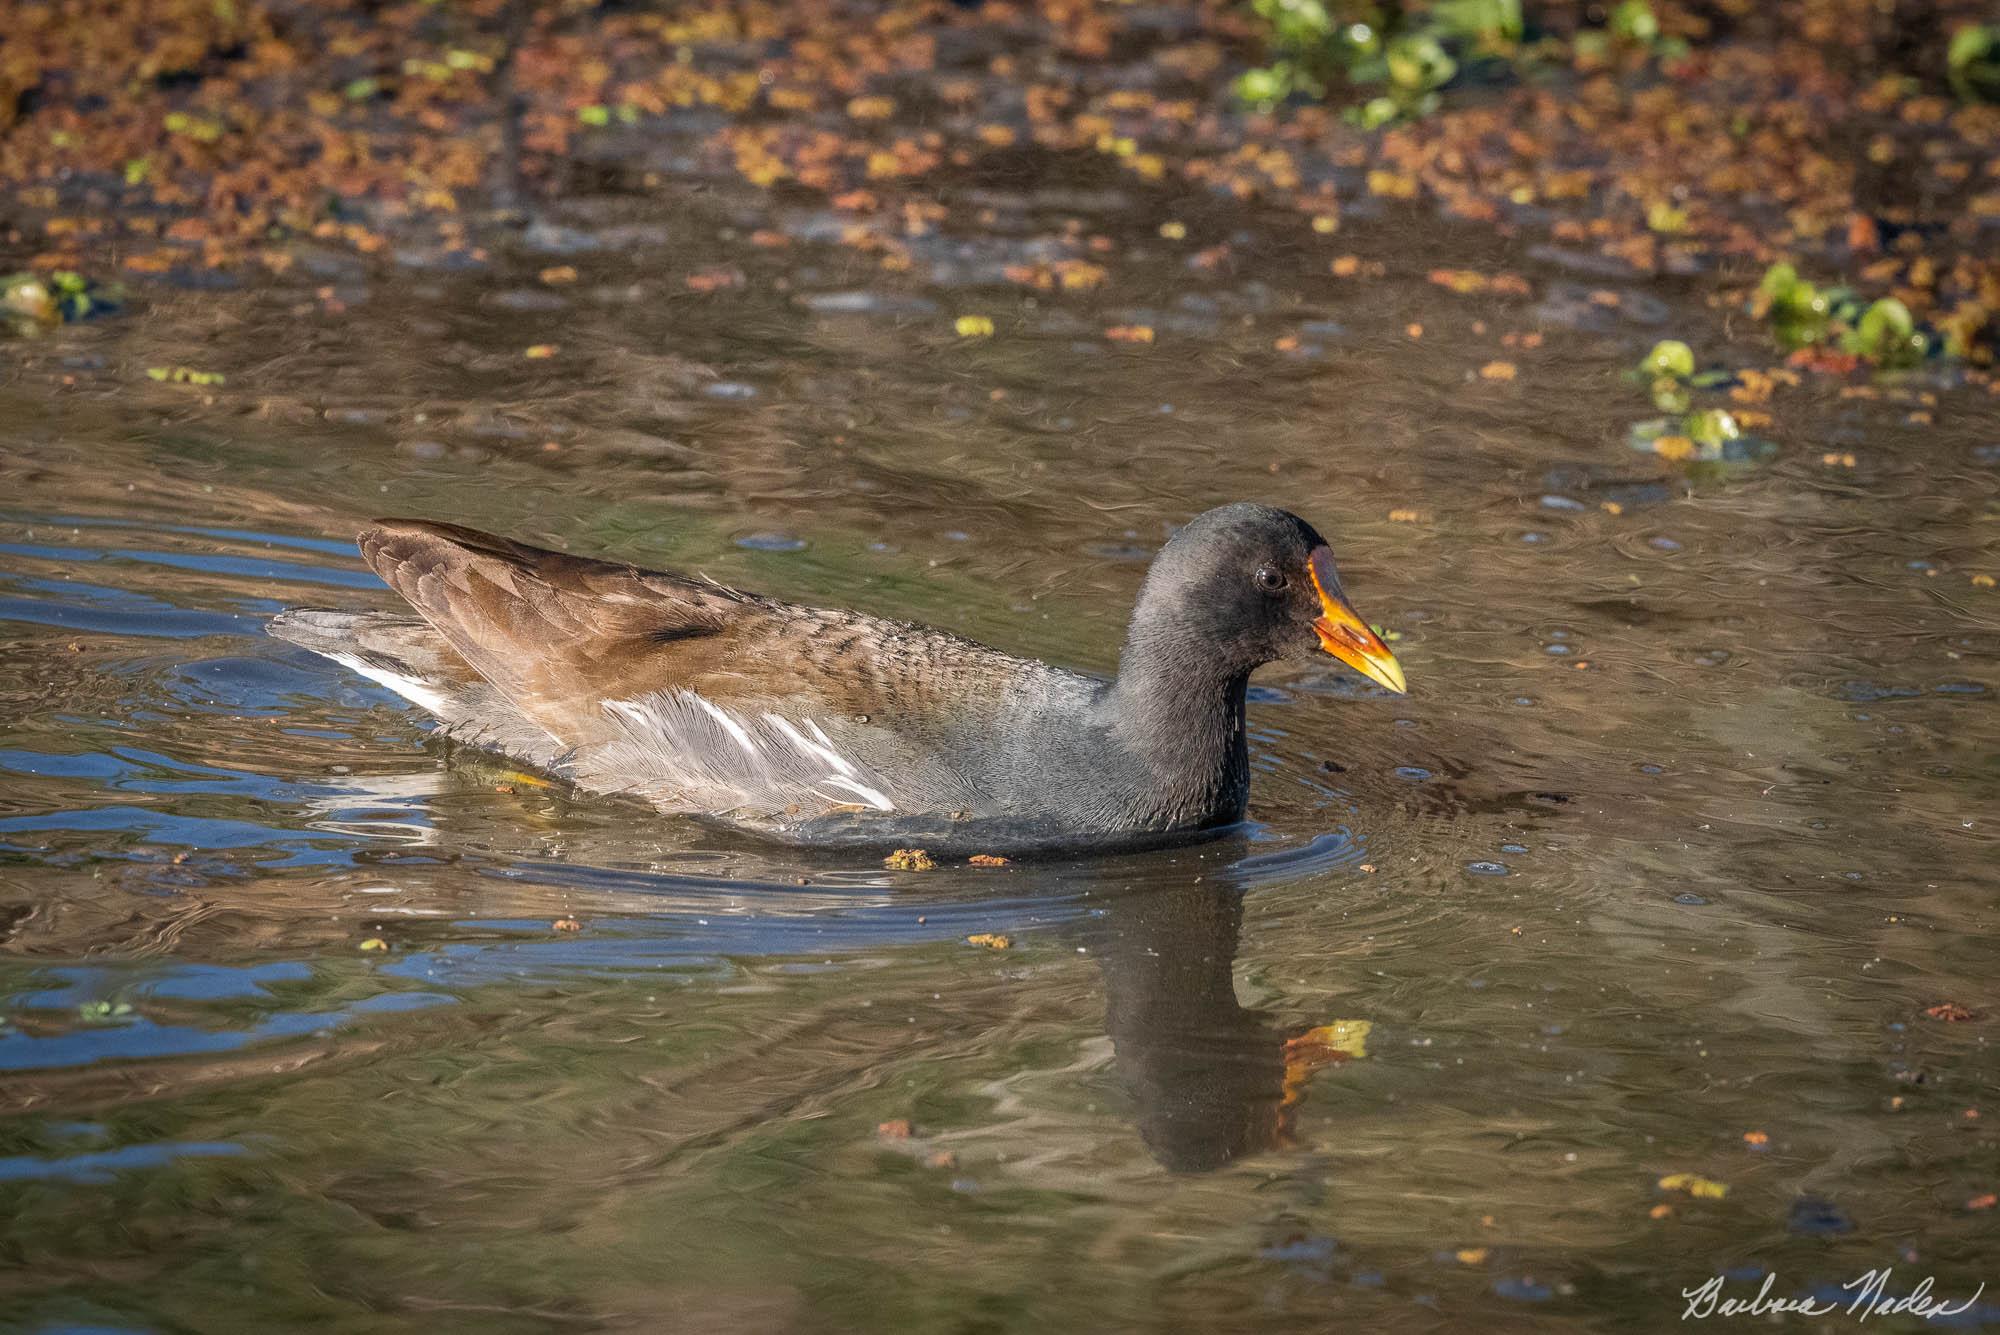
{"points": [[1181, 714]]}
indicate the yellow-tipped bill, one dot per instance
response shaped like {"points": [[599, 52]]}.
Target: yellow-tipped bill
{"points": [[1344, 634]]}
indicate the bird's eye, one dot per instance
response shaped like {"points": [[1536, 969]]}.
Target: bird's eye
{"points": [[1269, 580]]}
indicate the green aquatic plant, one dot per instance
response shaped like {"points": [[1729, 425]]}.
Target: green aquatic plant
{"points": [[1489, 23], [1689, 434], [1320, 45], [1711, 428], [28, 300], [1669, 374], [1631, 25], [1634, 21], [1798, 311], [1706, 436], [1972, 62], [103, 1012], [1670, 358], [1886, 334], [1315, 45], [1802, 315]]}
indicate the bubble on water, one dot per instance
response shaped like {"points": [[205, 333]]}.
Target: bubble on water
{"points": [[1314, 1247], [547, 238], [1868, 692], [1689, 898], [1488, 868], [1412, 773], [1664, 544], [532, 300], [1553, 502], [771, 542], [1513, 848], [1555, 649], [730, 389], [1524, 1289], [1817, 1217], [867, 303]]}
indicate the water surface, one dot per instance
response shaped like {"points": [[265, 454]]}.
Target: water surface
{"points": [[1687, 820]]}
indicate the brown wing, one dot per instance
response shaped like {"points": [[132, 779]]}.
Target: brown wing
{"points": [[696, 696], [556, 634]]}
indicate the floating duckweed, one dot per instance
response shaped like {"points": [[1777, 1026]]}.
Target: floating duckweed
{"points": [[103, 1012], [1695, 1185], [184, 375]]}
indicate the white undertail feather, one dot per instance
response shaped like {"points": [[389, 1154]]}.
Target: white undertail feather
{"points": [[413, 689]]}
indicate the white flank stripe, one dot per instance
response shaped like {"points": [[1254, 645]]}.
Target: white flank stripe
{"points": [[844, 770], [780, 762], [729, 725], [871, 796], [798, 739]]}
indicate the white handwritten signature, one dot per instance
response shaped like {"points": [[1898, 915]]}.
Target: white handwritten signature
{"points": [[1869, 1296]]}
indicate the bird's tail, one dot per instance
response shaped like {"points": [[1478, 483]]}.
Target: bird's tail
{"points": [[401, 652]]}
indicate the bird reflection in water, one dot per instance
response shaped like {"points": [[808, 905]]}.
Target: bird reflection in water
{"points": [[1212, 1080]]}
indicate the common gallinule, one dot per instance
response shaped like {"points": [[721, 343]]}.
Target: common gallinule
{"points": [[823, 725]]}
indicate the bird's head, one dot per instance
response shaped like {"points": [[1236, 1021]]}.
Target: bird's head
{"points": [[1255, 584]]}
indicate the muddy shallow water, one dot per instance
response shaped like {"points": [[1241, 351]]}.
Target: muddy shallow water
{"points": [[1687, 819]]}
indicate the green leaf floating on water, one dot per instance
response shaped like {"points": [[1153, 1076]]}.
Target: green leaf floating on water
{"points": [[1671, 395], [1479, 20], [1670, 358], [1886, 334], [1712, 427], [1973, 62], [1798, 311], [1419, 64], [103, 1012], [1634, 21]]}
